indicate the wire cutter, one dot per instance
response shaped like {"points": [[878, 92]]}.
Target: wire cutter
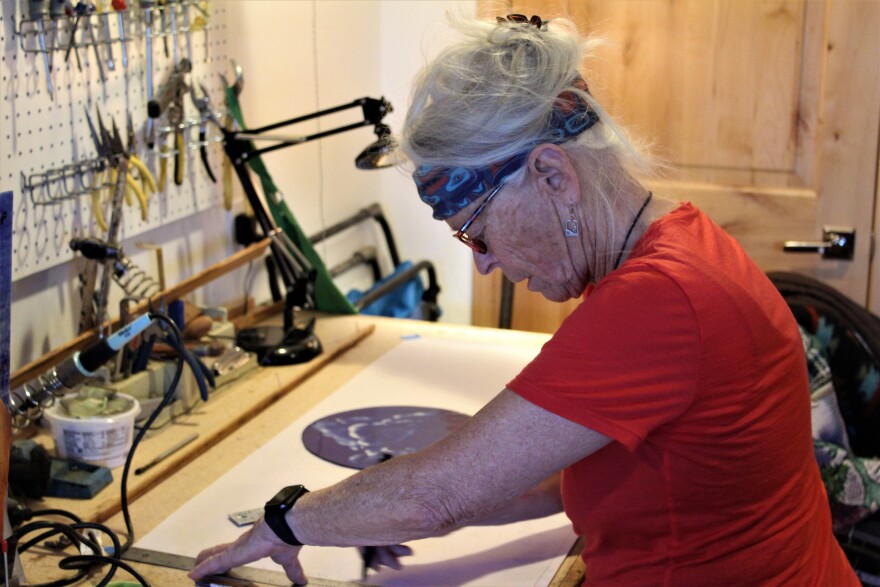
{"points": [[206, 114]]}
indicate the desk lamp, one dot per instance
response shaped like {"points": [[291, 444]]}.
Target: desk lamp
{"points": [[291, 344]]}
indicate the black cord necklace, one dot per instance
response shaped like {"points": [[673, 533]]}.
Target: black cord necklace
{"points": [[630, 231]]}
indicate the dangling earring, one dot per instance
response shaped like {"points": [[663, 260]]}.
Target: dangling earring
{"points": [[571, 225]]}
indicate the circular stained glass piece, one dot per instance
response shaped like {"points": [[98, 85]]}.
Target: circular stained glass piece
{"points": [[360, 438]]}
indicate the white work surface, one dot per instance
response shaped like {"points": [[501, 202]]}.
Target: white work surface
{"points": [[422, 371]]}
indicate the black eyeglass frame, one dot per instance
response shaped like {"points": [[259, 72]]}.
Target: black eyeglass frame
{"points": [[475, 243]]}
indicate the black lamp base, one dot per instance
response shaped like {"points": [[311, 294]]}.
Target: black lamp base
{"points": [[275, 347]]}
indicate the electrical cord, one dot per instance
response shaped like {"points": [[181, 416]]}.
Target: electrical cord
{"points": [[84, 563], [177, 342]]}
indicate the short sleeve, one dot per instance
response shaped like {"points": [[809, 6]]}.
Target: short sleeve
{"points": [[625, 362]]}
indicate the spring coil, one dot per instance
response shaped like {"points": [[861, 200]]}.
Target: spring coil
{"points": [[133, 280], [28, 403]]}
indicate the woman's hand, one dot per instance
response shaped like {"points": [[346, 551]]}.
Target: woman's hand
{"points": [[258, 542], [376, 557]]}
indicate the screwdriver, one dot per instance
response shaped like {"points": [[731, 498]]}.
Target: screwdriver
{"points": [[89, 10], [184, 11], [39, 10], [172, 16], [103, 7], [162, 28], [119, 6], [147, 6], [58, 9]]}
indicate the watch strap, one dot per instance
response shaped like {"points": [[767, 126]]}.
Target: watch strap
{"points": [[276, 510]]}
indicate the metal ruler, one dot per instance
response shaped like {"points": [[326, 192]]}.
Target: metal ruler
{"points": [[238, 577]]}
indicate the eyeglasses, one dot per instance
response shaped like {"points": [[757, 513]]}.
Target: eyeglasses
{"points": [[475, 243]]}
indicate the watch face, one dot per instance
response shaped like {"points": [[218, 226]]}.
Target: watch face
{"points": [[286, 496]]}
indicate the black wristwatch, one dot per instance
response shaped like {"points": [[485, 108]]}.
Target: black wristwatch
{"points": [[277, 507]]}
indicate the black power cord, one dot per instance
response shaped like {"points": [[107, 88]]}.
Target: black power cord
{"points": [[83, 564]]}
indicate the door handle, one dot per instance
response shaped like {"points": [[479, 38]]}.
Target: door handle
{"points": [[838, 243]]}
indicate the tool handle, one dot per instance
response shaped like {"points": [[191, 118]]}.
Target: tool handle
{"points": [[170, 90], [38, 9]]}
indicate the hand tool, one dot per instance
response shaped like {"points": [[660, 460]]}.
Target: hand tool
{"points": [[103, 8], [89, 10], [147, 7], [88, 276], [170, 101], [79, 10], [164, 455], [129, 178], [172, 18], [39, 11], [98, 185], [120, 7], [97, 206], [147, 180], [247, 576], [119, 160], [206, 114], [163, 30], [184, 14], [58, 9]]}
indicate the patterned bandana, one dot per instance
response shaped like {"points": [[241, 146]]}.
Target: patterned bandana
{"points": [[449, 189]]}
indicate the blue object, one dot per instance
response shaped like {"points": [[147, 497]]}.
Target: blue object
{"points": [[77, 480], [402, 302]]}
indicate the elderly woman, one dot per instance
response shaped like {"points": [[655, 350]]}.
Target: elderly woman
{"points": [[668, 416]]}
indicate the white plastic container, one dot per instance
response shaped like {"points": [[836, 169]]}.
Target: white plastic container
{"points": [[98, 440]]}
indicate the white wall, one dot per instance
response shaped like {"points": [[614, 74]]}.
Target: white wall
{"points": [[337, 51], [298, 57]]}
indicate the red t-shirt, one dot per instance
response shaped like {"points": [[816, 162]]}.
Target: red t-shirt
{"points": [[690, 360]]}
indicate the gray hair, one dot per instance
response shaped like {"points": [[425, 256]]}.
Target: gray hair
{"points": [[490, 96]]}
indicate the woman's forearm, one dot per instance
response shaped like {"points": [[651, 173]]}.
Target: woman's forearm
{"points": [[544, 500]]}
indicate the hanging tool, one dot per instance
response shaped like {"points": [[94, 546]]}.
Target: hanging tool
{"points": [[120, 7], [104, 154], [103, 8], [149, 183], [147, 6], [184, 14], [79, 10], [163, 29], [89, 10], [170, 102], [206, 114], [119, 161], [172, 18], [88, 276], [129, 178], [39, 11], [107, 152], [58, 9]]}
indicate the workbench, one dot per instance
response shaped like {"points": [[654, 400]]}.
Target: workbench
{"points": [[237, 420]]}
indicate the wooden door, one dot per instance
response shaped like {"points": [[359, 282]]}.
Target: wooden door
{"points": [[767, 113]]}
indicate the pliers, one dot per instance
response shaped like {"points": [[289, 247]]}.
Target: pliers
{"points": [[147, 180], [206, 114], [130, 183], [109, 148]]}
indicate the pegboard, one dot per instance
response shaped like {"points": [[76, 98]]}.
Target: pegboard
{"points": [[42, 134]]}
